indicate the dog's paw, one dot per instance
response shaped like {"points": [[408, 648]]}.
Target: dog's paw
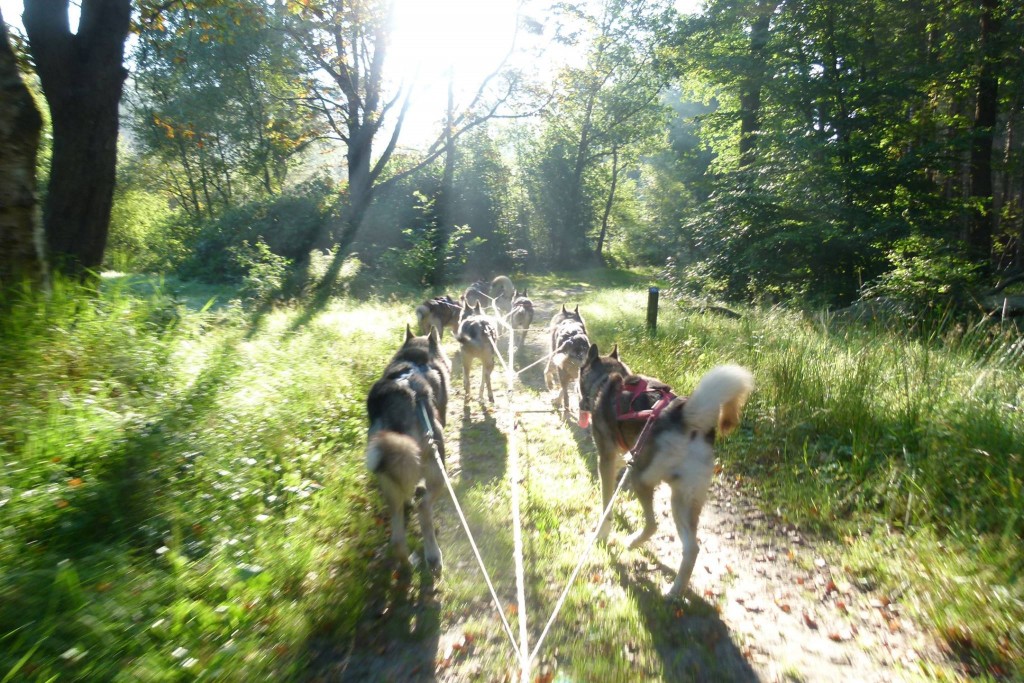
{"points": [[434, 563], [637, 540], [675, 591]]}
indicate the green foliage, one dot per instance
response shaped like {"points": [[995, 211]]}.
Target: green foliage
{"points": [[264, 270], [161, 488], [218, 101], [927, 274], [139, 239], [290, 226], [854, 144]]}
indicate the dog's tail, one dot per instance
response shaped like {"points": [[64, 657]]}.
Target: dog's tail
{"points": [[503, 283], [718, 399], [422, 311], [395, 459]]}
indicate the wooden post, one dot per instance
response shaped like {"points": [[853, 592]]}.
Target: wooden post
{"points": [[652, 310]]}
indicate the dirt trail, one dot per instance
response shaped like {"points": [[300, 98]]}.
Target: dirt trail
{"points": [[783, 613]]}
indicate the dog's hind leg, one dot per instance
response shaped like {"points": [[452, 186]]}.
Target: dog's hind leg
{"points": [[467, 365], [645, 494], [686, 512], [396, 506], [431, 551], [608, 467], [485, 378]]}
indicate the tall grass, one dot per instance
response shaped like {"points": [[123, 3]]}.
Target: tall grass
{"points": [[183, 495], [852, 430], [177, 497]]}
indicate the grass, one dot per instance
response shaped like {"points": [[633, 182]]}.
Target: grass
{"points": [[183, 497]]}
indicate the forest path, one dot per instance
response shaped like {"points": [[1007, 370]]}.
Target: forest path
{"points": [[765, 603]]}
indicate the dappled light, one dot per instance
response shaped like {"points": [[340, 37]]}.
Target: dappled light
{"points": [[609, 340]]}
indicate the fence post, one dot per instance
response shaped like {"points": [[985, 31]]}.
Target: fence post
{"points": [[652, 310]]}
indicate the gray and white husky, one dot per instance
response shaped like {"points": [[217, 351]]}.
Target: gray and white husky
{"points": [[679, 449], [569, 345], [521, 316], [498, 292], [439, 312], [478, 339], [411, 395]]}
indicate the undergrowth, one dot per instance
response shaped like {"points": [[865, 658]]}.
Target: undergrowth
{"points": [[907, 452], [181, 495]]}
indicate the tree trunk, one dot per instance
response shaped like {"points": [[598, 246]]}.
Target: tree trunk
{"points": [[980, 229], [575, 230], [82, 75], [446, 198], [608, 204], [20, 124], [750, 94]]}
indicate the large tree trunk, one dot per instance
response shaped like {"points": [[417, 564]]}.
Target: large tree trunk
{"points": [[980, 230], [609, 202], [750, 94], [82, 75], [20, 124], [446, 198]]}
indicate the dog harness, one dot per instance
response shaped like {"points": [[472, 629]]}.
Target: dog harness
{"points": [[640, 402]]}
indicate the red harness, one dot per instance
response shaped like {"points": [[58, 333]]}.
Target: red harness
{"points": [[626, 409]]}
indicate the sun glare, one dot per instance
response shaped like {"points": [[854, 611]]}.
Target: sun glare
{"points": [[431, 38]]}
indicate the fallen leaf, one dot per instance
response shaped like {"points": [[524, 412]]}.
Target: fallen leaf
{"points": [[835, 636], [784, 606], [811, 623], [75, 482]]}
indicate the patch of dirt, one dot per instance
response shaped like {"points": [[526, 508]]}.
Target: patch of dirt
{"points": [[764, 601]]}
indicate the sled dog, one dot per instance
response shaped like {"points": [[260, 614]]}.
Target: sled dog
{"points": [[412, 394], [569, 345], [503, 292], [499, 291], [679, 449], [439, 312], [478, 338], [521, 316]]}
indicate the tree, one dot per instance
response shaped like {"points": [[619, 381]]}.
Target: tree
{"points": [[979, 236], [607, 108], [85, 121], [217, 100], [20, 125], [345, 46]]}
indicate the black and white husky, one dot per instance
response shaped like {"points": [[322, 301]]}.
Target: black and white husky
{"points": [[404, 406]]}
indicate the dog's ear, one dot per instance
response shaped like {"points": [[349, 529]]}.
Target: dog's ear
{"points": [[577, 309], [524, 292], [592, 354], [432, 340], [563, 309], [408, 332], [615, 352]]}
